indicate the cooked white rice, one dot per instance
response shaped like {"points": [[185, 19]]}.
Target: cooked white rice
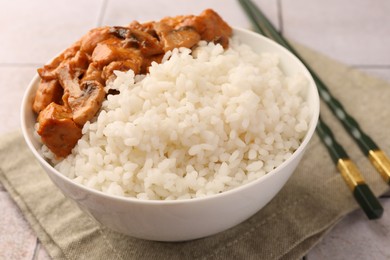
{"points": [[198, 124]]}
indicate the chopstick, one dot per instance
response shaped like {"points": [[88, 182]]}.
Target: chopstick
{"points": [[370, 149], [350, 173]]}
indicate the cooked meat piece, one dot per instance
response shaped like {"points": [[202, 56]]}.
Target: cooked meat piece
{"points": [[78, 64], [68, 81], [109, 51], [211, 27], [171, 38], [145, 27], [138, 39], [48, 72], [84, 99], [125, 65], [177, 21], [181, 31], [93, 73], [48, 91], [93, 37], [147, 62], [57, 129]]}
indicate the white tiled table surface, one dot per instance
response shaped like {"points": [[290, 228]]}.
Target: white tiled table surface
{"points": [[356, 33]]}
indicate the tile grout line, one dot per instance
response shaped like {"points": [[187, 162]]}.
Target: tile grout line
{"points": [[102, 11]]}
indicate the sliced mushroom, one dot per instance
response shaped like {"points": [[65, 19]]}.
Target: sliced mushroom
{"points": [[138, 39], [171, 38], [84, 99], [86, 102]]}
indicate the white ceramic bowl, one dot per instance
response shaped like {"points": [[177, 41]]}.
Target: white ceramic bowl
{"points": [[183, 219]]}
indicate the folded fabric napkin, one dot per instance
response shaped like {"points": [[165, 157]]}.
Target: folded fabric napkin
{"points": [[311, 203]]}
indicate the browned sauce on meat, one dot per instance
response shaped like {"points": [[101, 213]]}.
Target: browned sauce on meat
{"points": [[71, 90], [57, 129]]}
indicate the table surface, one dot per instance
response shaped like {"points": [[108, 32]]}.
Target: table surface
{"points": [[356, 33]]}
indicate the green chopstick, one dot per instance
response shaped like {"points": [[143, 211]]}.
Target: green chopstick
{"points": [[376, 156], [351, 175]]}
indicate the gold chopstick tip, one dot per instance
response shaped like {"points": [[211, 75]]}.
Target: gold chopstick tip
{"points": [[350, 173], [381, 162]]}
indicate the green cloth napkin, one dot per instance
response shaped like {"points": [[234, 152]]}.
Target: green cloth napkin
{"points": [[311, 203]]}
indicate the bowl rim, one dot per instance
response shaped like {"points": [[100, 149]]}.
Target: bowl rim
{"points": [[309, 133]]}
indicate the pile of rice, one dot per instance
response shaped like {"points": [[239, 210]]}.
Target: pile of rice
{"points": [[200, 123]]}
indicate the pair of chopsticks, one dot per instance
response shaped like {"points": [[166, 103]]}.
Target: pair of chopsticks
{"points": [[350, 173]]}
